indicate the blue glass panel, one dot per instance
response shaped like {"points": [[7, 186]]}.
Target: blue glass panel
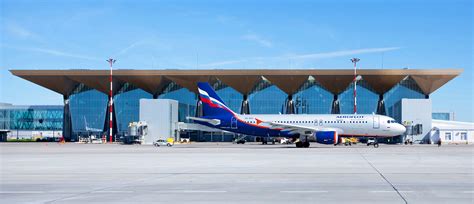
{"points": [[187, 100], [127, 106], [313, 100], [182, 95], [231, 97], [270, 100], [88, 110], [441, 116], [406, 89], [32, 118], [366, 100]]}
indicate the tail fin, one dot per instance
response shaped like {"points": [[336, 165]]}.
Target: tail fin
{"points": [[212, 104]]}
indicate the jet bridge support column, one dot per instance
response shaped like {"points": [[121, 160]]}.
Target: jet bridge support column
{"points": [[381, 106], [245, 108], [335, 105]]}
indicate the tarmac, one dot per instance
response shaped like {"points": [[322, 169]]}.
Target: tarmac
{"points": [[235, 173]]}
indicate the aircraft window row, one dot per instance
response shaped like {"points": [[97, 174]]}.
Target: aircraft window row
{"points": [[345, 122], [391, 121], [292, 121], [308, 122]]}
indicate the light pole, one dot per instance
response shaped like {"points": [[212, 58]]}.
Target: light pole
{"points": [[355, 60], [111, 100]]}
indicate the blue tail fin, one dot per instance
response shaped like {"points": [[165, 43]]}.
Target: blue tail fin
{"points": [[212, 104]]}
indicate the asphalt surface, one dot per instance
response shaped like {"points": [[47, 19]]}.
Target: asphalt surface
{"points": [[231, 173]]}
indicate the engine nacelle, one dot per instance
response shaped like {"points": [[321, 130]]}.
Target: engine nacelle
{"points": [[326, 137]]}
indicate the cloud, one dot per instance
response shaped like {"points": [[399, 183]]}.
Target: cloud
{"points": [[341, 53], [302, 57], [53, 52], [131, 46], [21, 32], [258, 39]]}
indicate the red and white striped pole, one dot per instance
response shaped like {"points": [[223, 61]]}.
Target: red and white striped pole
{"points": [[111, 100], [355, 60]]}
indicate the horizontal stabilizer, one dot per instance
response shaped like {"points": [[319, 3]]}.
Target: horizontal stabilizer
{"points": [[210, 121]]}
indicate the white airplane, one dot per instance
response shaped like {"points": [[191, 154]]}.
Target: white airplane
{"points": [[323, 128]]}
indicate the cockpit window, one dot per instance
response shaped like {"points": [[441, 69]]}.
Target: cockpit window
{"points": [[388, 121]]}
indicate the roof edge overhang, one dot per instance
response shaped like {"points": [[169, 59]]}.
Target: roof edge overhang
{"points": [[429, 79]]}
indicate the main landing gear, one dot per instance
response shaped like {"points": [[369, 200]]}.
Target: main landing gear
{"points": [[302, 143]]}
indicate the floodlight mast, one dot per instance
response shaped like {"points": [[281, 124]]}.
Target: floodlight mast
{"points": [[355, 60], [111, 100]]}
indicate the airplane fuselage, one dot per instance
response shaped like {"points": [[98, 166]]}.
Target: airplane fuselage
{"points": [[344, 124]]}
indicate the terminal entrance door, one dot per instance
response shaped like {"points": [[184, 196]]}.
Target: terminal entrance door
{"points": [[376, 121], [233, 123]]}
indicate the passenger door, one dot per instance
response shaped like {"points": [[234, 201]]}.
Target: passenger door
{"points": [[233, 123], [376, 121]]}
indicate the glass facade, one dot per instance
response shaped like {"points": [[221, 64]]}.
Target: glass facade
{"points": [[88, 107], [35, 118], [127, 103], [267, 99], [187, 100], [313, 99], [366, 99], [442, 116], [407, 88], [231, 97]]}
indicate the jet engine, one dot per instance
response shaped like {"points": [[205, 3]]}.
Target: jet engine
{"points": [[326, 137]]}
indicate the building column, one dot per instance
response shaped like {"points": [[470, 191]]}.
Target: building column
{"points": [[335, 105], [290, 105], [381, 106], [155, 95], [67, 122], [245, 107]]}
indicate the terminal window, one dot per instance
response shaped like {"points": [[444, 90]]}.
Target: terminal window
{"points": [[447, 136]]}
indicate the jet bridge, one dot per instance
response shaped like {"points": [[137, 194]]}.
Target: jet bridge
{"points": [[161, 117]]}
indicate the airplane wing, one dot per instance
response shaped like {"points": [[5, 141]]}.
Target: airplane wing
{"points": [[303, 130]]}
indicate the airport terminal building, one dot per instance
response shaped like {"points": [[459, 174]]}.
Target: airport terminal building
{"points": [[246, 91]]}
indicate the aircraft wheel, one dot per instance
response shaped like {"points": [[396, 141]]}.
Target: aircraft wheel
{"points": [[305, 144], [299, 144]]}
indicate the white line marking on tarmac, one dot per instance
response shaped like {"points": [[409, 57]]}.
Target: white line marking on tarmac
{"points": [[304, 191], [391, 191], [112, 192], [20, 192], [189, 191], [468, 192]]}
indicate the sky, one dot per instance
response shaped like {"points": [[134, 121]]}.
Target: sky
{"points": [[149, 34]]}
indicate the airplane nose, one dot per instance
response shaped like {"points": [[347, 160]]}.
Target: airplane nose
{"points": [[401, 129]]}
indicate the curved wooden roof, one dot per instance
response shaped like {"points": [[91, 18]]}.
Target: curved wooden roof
{"points": [[242, 80]]}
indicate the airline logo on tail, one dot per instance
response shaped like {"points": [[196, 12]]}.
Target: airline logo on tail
{"points": [[205, 98], [213, 105]]}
